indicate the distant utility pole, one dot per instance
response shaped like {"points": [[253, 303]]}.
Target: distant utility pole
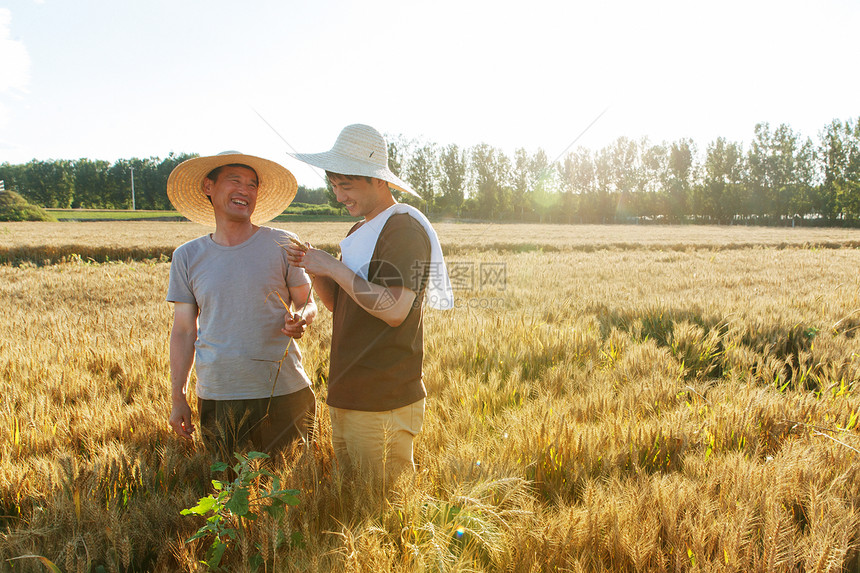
{"points": [[132, 187]]}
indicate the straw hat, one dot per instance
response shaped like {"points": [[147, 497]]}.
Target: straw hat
{"points": [[359, 150], [277, 187]]}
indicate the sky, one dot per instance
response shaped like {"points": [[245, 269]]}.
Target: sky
{"points": [[110, 80]]}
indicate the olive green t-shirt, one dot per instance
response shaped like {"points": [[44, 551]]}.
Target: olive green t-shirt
{"points": [[376, 367]]}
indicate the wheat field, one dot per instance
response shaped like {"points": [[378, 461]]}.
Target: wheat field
{"points": [[601, 399]]}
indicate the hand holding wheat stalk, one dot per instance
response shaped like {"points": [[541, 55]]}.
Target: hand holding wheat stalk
{"points": [[304, 247]]}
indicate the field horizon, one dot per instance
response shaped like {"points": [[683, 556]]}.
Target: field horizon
{"points": [[601, 398], [52, 242]]}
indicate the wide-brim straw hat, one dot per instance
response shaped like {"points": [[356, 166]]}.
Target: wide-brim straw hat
{"points": [[275, 191], [359, 150]]}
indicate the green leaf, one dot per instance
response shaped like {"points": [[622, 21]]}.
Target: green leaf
{"points": [[204, 506], [209, 528], [231, 533], [283, 494], [275, 511], [257, 455], [217, 484], [251, 476], [219, 467], [45, 561], [202, 532], [297, 540], [238, 504], [216, 553]]}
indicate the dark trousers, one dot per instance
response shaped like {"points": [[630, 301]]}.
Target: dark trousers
{"points": [[266, 425]]}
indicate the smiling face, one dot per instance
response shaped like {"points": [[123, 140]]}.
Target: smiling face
{"points": [[233, 192], [362, 198]]}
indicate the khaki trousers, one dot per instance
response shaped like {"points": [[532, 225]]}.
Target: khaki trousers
{"points": [[378, 442]]}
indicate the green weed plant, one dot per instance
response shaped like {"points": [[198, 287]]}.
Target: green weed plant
{"points": [[234, 504]]}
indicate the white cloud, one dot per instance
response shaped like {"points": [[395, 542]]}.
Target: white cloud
{"points": [[14, 60]]}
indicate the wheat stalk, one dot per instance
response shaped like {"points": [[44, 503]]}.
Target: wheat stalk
{"points": [[301, 316]]}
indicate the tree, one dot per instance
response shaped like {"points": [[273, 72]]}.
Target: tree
{"points": [[624, 164], [399, 151], [721, 190], [680, 178], [486, 193], [422, 173], [617, 171], [521, 182], [791, 176], [503, 169], [145, 183], [835, 158], [544, 186], [163, 170], [839, 193], [760, 174], [48, 183], [315, 196], [397, 148], [780, 173], [90, 182], [117, 192], [577, 181], [453, 168], [800, 180], [12, 176], [600, 208], [654, 180]]}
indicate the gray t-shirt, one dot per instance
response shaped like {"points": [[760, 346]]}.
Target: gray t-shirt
{"points": [[239, 338]]}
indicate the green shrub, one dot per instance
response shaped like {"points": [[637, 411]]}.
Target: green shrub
{"points": [[310, 209], [13, 207]]}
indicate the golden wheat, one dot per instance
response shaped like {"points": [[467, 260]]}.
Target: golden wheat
{"points": [[121, 240], [617, 406]]}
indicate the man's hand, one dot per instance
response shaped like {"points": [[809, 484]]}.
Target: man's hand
{"points": [[295, 251], [180, 419], [294, 325], [314, 261], [183, 334]]}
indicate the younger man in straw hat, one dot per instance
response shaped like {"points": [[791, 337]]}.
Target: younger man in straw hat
{"points": [[227, 288], [389, 261]]}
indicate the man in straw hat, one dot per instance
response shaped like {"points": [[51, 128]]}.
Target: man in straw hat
{"points": [[230, 289], [390, 261]]}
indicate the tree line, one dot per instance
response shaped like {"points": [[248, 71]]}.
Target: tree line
{"points": [[781, 178], [97, 184], [93, 184]]}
